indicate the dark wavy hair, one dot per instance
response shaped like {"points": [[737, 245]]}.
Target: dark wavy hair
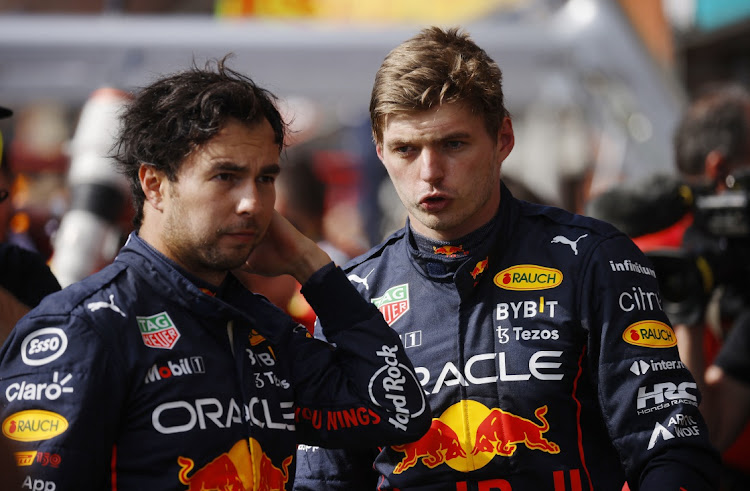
{"points": [[437, 67], [171, 117], [717, 119]]}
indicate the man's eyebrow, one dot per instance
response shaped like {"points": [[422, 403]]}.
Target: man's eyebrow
{"points": [[232, 167], [397, 143], [226, 166], [271, 169], [459, 135]]}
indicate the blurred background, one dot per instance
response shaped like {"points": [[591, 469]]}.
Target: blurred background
{"points": [[595, 89]]}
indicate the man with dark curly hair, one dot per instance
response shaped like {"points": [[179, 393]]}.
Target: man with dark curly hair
{"points": [[538, 335], [161, 371]]}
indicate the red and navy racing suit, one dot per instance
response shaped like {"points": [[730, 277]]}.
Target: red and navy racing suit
{"points": [[135, 379], [546, 359]]}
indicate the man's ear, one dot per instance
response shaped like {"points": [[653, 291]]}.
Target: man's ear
{"points": [[715, 166], [153, 184], [379, 150], [505, 138]]}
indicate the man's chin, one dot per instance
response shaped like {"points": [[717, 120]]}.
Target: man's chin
{"points": [[232, 261]]}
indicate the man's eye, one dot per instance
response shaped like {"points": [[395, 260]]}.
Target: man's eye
{"points": [[403, 149], [270, 179], [454, 145], [224, 176]]}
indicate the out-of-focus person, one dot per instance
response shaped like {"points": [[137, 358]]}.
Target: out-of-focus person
{"points": [[695, 228], [25, 278], [524, 322], [162, 371], [301, 199], [94, 226], [712, 148]]}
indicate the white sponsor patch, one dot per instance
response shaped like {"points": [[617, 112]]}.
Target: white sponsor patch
{"points": [[43, 346]]}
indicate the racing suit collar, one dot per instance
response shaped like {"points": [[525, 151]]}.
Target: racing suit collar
{"points": [[179, 285], [490, 249]]}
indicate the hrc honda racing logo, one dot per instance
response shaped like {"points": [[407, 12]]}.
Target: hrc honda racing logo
{"points": [[664, 395], [388, 388]]}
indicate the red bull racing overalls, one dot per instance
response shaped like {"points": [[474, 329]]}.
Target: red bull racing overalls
{"points": [[546, 359], [136, 379]]}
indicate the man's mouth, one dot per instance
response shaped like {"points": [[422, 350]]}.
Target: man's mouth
{"points": [[434, 203]]}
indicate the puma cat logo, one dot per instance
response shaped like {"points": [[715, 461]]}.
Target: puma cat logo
{"points": [[94, 306], [357, 279], [572, 243]]}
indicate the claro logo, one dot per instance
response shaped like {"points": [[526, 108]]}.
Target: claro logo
{"points": [[43, 346], [34, 425], [523, 277], [650, 334]]}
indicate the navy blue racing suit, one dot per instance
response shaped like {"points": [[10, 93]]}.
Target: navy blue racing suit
{"points": [[546, 359], [136, 379]]}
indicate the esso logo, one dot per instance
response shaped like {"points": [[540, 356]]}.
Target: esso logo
{"points": [[43, 346]]}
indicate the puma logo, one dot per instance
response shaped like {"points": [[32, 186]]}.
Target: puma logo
{"points": [[94, 306], [356, 279], [572, 243]]}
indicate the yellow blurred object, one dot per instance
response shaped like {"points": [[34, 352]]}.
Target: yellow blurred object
{"points": [[425, 11], [20, 223]]}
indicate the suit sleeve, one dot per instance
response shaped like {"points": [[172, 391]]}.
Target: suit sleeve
{"points": [[60, 405], [648, 398], [360, 390], [320, 469]]}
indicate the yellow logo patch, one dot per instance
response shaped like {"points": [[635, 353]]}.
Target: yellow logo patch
{"points": [[650, 334], [34, 425], [524, 277]]}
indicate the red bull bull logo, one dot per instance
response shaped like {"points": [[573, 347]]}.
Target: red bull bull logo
{"points": [[246, 467], [438, 445], [501, 432], [268, 477], [219, 474], [479, 268], [469, 443], [450, 251]]}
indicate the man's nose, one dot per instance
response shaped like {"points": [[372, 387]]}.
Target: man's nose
{"points": [[248, 201], [430, 165]]}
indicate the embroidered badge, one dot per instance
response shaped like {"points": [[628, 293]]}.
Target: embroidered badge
{"points": [[158, 331], [394, 303]]}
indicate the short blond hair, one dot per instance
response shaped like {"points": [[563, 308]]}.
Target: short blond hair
{"points": [[437, 67]]}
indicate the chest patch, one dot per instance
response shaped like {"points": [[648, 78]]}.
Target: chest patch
{"points": [[394, 303], [158, 331]]}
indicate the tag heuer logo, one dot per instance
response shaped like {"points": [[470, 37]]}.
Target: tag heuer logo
{"points": [[394, 303], [158, 331]]}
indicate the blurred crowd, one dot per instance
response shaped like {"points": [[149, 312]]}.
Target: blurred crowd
{"points": [[67, 204]]}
